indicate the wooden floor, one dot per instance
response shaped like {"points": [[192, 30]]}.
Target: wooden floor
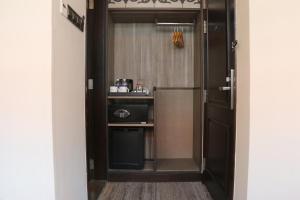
{"points": [[94, 189], [155, 191]]}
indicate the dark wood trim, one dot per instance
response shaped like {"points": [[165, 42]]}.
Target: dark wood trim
{"points": [[217, 190], [154, 177], [151, 15], [232, 62], [100, 89], [90, 63]]}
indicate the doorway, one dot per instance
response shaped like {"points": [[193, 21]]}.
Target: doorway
{"points": [[208, 99]]}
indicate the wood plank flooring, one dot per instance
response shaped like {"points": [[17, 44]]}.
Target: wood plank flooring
{"points": [[94, 188], [155, 191]]}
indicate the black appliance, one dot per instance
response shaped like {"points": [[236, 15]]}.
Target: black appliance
{"points": [[129, 113], [126, 148], [125, 83]]}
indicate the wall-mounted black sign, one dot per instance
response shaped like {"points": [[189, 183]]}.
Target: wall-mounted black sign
{"points": [[75, 18]]}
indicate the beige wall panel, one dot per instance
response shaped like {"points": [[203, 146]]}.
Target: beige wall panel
{"points": [[174, 123]]}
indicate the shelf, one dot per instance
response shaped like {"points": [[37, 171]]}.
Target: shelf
{"points": [[146, 15], [130, 125], [131, 97], [177, 88], [171, 165], [148, 167], [165, 166]]}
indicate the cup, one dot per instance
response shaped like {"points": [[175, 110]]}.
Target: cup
{"points": [[146, 91], [123, 89], [113, 89]]}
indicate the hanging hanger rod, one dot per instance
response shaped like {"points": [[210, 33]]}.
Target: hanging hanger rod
{"points": [[174, 24]]}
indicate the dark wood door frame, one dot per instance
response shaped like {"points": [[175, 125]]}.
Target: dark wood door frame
{"points": [[96, 103], [230, 63], [89, 94]]}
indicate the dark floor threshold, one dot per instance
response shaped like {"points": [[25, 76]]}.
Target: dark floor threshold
{"points": [[155, 177]]}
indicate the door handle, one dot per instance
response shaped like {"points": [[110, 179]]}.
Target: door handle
{"points": [[225, 88], [230, 88]]}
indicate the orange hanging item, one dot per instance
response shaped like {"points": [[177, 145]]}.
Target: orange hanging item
{"points": [[178, 39]]}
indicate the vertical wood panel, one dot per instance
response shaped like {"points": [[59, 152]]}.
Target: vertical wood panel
{"points": [[111, 44], [197, 135], [174, 123], [197, 129], [143, 51]]}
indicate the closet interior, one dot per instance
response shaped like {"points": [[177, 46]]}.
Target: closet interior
{"points": [[160, 98], [155, 124]]}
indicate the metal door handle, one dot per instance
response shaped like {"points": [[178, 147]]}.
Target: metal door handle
{"points": [[225, 88], [230, 88]]}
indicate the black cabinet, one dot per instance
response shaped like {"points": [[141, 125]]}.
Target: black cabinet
{"points": [[127, 148], [128, 113]]}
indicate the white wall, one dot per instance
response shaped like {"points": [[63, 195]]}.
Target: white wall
{"points": [[69, 105], [243, 100], [42, 124], [274, 158], [26, 154]]}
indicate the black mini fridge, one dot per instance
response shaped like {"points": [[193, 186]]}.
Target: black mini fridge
{"points": [[126, 148]]}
